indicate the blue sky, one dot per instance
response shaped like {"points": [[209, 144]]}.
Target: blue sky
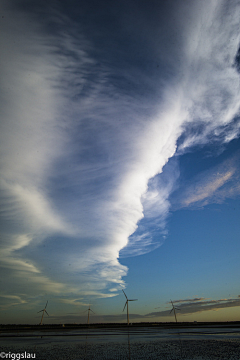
{"points": [[120, 160]]}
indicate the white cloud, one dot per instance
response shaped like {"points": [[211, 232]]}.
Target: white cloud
{"points": [[79, 150]]}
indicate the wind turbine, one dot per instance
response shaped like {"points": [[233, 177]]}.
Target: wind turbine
{"points": [[44, 311], [174, 308], [88, 310], [126, 303]]}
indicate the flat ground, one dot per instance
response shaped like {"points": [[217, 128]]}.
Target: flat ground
{"points": [[220, 342]]}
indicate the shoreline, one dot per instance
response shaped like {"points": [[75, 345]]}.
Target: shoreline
{"points": [[163, 325]]}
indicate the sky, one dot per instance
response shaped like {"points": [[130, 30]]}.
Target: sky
{"points": [[120, 149]]}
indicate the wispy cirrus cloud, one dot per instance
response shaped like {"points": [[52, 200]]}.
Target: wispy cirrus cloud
{"points": [[12, 300], [215, 185], [209, 189]]}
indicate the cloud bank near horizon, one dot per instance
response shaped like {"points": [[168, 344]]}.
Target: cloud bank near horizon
{"points": [[185, 307], [191, 306], [83, 142]]}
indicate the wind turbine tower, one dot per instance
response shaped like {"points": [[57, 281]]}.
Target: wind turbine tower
{"points": [[88, 310], [43, 311], [174, 308], [126, 303]]}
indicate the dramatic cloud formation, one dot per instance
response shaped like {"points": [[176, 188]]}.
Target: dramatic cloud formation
{"points": [[87, 128]]}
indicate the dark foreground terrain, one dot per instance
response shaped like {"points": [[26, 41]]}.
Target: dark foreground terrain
{"points": [[220, 341], [170, 350]]}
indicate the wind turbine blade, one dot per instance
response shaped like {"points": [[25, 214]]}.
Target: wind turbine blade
{"points": [[46, 312], [125, 305], [125, 295], [92, 311], [39, 311], [46, 304], [171, 311], [133, 300]]}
